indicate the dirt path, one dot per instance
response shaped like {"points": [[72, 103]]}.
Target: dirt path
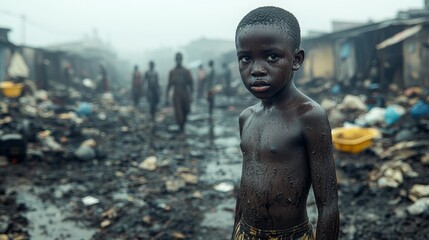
{"points": [[48, 197]]}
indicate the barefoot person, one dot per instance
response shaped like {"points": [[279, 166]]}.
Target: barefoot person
{"points": [[181, 80]]}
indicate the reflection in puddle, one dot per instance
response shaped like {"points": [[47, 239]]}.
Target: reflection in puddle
{"points": [[47, 221], [221, 216]]}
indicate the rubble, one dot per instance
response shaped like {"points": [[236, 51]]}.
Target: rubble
{"points": [[418, 191], [149, 163], [102, 161], [419, 207]]}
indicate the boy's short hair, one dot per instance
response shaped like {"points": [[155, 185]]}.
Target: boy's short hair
{"points": [[273, 16]]}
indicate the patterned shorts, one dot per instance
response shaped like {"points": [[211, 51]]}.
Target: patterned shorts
{"points": [[244, 231]]}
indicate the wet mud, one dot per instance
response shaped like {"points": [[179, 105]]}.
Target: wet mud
{"points": [[189, 194]]}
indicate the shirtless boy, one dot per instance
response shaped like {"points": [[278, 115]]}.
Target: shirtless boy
{"points": [[285, 138]]}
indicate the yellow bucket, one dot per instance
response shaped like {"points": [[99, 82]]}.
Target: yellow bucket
{"points": [[11, 89], [353, 139]]}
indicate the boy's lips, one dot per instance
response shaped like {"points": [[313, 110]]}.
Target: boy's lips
{"points": [[259, 86]]}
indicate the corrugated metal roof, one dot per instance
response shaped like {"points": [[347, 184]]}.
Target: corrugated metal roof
{"points": [[353, 32], [399, 37]]}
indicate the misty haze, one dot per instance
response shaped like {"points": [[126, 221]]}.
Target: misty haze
{"points": [[120, 119]]}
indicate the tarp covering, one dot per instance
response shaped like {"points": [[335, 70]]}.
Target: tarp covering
{"points": [[401, 36], [18, 67]]}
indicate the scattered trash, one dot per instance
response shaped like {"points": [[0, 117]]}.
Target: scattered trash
{"points": [[224, 187], [425, 159], [178, 235], [391, 174], [354, 139], [86, 150], [149, 163], [420, 109], [164, 206], [85, 153], [393, 114], [353, 103], [174, 185], [14, 147], [11, 89], [105, 223], [404, 135], [418, 191], [147, 220], [89, 200], [419, 207], [374, 116], [88, 83], [189, 178], [84, 109]]}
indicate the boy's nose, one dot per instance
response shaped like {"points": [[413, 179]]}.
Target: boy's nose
{"points": [[258, 71]]}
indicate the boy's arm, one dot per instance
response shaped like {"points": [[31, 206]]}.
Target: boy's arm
{"points": [[317, 133], [241, 120]]}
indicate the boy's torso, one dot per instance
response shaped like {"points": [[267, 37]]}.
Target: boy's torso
{"points": [[276, 175]]}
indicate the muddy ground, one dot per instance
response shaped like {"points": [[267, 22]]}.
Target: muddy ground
{"points": [[186, 196]]}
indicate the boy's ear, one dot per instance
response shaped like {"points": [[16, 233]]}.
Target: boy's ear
{"points": [[298, 59]]}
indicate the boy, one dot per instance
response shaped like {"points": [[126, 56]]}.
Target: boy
{"points": [[285, 139], [181, 80], [152, 90]]}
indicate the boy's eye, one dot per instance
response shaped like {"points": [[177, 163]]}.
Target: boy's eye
{"points": [[245, 59], [272, 57]]}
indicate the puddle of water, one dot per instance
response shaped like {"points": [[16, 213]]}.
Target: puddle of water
{"points": [[219, 172], [46, 220], [220, 217], [227, 141], [225, 165], [61, 189]]}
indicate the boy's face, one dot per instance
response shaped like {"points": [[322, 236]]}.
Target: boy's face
{"points": [[266, 59]]}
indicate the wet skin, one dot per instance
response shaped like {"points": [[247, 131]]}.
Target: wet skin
{"points": [[285, 139]]}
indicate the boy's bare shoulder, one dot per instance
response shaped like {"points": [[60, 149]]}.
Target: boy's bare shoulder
{"points": [[246, 113], [310, 112]]}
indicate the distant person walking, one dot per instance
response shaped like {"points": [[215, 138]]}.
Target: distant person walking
{"points": [[104, 83], [152, 90], [136, 86], [181, 80], [211, 91], [201, 81], [226, 75], [68, 74]]}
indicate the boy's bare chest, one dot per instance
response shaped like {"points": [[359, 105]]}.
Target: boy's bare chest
{"points": [[274, 136]]}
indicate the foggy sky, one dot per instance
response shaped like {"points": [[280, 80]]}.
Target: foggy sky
{"points": [[137, 25]]}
